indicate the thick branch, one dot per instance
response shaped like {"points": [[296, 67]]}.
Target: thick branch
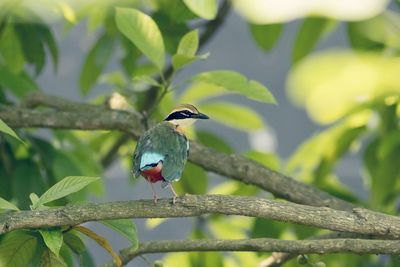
{"points": [[234, 166], [357, 221], [356, 246]]}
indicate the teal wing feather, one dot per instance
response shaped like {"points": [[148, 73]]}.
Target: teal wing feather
{"points": [[165, 141]]}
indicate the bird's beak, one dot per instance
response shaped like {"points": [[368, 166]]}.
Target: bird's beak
{"points": [[201, 116]]}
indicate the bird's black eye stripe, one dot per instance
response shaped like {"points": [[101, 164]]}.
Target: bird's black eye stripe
{"points": [[179, 115]]}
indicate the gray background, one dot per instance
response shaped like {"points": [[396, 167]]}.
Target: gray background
{"points": [[232, 48]]}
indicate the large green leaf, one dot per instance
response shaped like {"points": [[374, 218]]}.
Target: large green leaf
{"points": [[95, 62], [206, 9], [53, 238], [49, 259], [143, 32], [305, 42], [237, 83], [266, 35], [5, 205], [66, 186], [17, 249], [125, 227], [6, 129], [233, 115]]}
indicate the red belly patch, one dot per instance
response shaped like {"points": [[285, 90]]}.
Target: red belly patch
{"points": [[153, 175]]}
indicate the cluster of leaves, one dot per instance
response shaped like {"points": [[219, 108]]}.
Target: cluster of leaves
{"points": [[55, 246], [151, 48]]}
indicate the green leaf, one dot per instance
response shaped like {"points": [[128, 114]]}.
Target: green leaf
{"points": [[189, 44], [53, 238], [11, 50], [194, 180], [305, 42], [125, 227], [17, 249], [6, 129], [66, 186], [266, 35], [206, 9], [95, 62], [143, 32], [179, 61], [214, 141], [19, 84], [237, 83], [233, 115], [34, 199], [74, 242], [5, 205], [49, 259]]}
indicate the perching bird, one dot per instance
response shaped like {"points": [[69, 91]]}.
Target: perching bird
{"points": [[162, 151]]}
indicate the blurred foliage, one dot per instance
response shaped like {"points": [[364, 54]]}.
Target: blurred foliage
{"points": [[353, 93]]}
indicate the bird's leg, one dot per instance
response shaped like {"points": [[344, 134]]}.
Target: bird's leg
{"points": [[154, 193], [174, 195]]}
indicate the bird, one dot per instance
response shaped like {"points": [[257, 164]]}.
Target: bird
{"points": [[162, 151]]}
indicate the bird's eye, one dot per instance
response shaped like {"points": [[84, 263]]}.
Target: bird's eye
{"points": [[185, 114]]}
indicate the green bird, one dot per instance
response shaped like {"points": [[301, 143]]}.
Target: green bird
{"points": [[162, 151]]}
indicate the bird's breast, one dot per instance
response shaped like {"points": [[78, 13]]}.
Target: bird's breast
{"points": [[153, 175]]}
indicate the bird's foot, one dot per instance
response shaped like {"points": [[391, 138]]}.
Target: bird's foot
{"points": [[173, 200], [155, 199]]}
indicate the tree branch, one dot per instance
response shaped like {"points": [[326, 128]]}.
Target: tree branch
{"points": [[358, 221], [74, 115], [340, 245]]}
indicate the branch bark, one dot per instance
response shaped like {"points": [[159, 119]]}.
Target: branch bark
{"points": [[74, 115], [340, 245], [358, 221]]}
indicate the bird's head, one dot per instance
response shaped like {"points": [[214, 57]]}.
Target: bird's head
{"points": [[184, 115]]}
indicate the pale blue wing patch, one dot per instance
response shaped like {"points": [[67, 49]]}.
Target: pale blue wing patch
{"points": [[149, 158]]}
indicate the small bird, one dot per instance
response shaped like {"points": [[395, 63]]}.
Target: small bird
{"points": [[162, 151]]}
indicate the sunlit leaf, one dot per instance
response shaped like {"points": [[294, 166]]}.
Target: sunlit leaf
{"points": [[305, 42], [95, 62], [179, 61], [17, 249], [276, 11], [143, 32], [65, 187], [6, 129], [189, 44], [198, 92], [53, 238], [359, 78], [5, 205], [266, 35], [377, 33], [49, 259], [125, 227], [233, 115], [206, 9], [237, 83]]}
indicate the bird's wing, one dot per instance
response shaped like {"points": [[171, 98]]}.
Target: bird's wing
{"points": [[161, 142], [175, 158]]}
